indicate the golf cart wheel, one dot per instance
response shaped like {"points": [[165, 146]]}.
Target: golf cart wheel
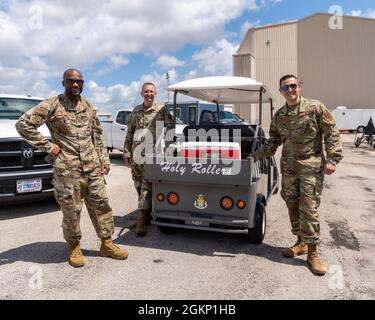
{"points": [[256, 235], [167, 230]]}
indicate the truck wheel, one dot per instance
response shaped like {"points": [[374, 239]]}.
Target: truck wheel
{"points": [[167, 230], [256, 235]]}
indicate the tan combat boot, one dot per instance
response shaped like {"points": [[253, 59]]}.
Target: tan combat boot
{"points": [[76, 258], [317, 266], [299, 248], [141, 224], [109, 249]]}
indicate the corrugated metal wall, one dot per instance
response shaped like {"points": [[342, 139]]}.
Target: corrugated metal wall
{"points": [[244, 66], [337, 66], [275, 51]]}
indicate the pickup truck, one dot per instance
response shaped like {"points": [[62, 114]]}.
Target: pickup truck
{"points": [[24, 173], [115, 131]]}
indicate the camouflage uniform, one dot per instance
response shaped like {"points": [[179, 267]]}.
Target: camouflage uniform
{"points": [[301, 131], [77, 168], [141, 120]]}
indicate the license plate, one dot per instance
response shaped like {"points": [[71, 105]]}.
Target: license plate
{"points": [[25, 186], [199, 223]]}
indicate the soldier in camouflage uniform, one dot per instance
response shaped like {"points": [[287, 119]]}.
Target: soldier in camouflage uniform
{"points": [[300, 125], [142, 127], [79, 158]]}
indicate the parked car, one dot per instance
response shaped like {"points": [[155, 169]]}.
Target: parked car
{"points": [[225, 117], [115, 131], [191, 112], [24, 173]]}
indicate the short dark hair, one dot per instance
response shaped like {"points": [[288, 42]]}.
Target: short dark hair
{"points": [[148, 84], [288, 76]]}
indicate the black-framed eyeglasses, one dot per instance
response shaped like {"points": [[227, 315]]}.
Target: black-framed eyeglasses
{"points": [[72, 81], [292, 86]]}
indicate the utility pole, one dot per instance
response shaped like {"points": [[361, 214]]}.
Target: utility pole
{"points": [[167, 77]]}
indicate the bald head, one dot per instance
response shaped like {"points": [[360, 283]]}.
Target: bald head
{"points": [[71, 70], [73, 83]]}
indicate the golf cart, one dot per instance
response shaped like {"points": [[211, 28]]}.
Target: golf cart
{"points": [[211, 180]]}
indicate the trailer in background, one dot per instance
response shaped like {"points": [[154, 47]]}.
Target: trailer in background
{"points": [[349, 120]]}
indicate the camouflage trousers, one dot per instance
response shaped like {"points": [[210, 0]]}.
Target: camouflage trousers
{"points": [[74, 187], [144, 188], [302, 193]]}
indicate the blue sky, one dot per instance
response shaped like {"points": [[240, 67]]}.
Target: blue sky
{"points": [[120, 44]]}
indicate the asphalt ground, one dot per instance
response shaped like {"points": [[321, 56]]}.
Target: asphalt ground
{"points": [[195, 264]]}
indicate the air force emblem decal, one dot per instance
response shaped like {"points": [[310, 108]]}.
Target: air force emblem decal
{"points": [[200, 203]]}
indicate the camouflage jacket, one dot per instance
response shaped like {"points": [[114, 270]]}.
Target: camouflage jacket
{"points": [[141, 121], [78, 132], [301, 131]]}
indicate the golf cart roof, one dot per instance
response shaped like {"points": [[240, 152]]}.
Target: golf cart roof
{"points": [[223, 90]]}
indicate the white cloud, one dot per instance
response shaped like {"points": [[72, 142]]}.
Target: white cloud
{"points": [[356, 13], [114, 63], [38, 45], [168, 62], [245, 27], [40, 38], [248, 25], [83, 33], [23, 81], [264, 3], [118, 60], [369, 13], [215, 60], [127, 96]]}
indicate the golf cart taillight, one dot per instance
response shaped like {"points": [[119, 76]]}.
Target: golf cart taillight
{"points": [[241, 204], [173, 198], [226, 203], [160, 197]]}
